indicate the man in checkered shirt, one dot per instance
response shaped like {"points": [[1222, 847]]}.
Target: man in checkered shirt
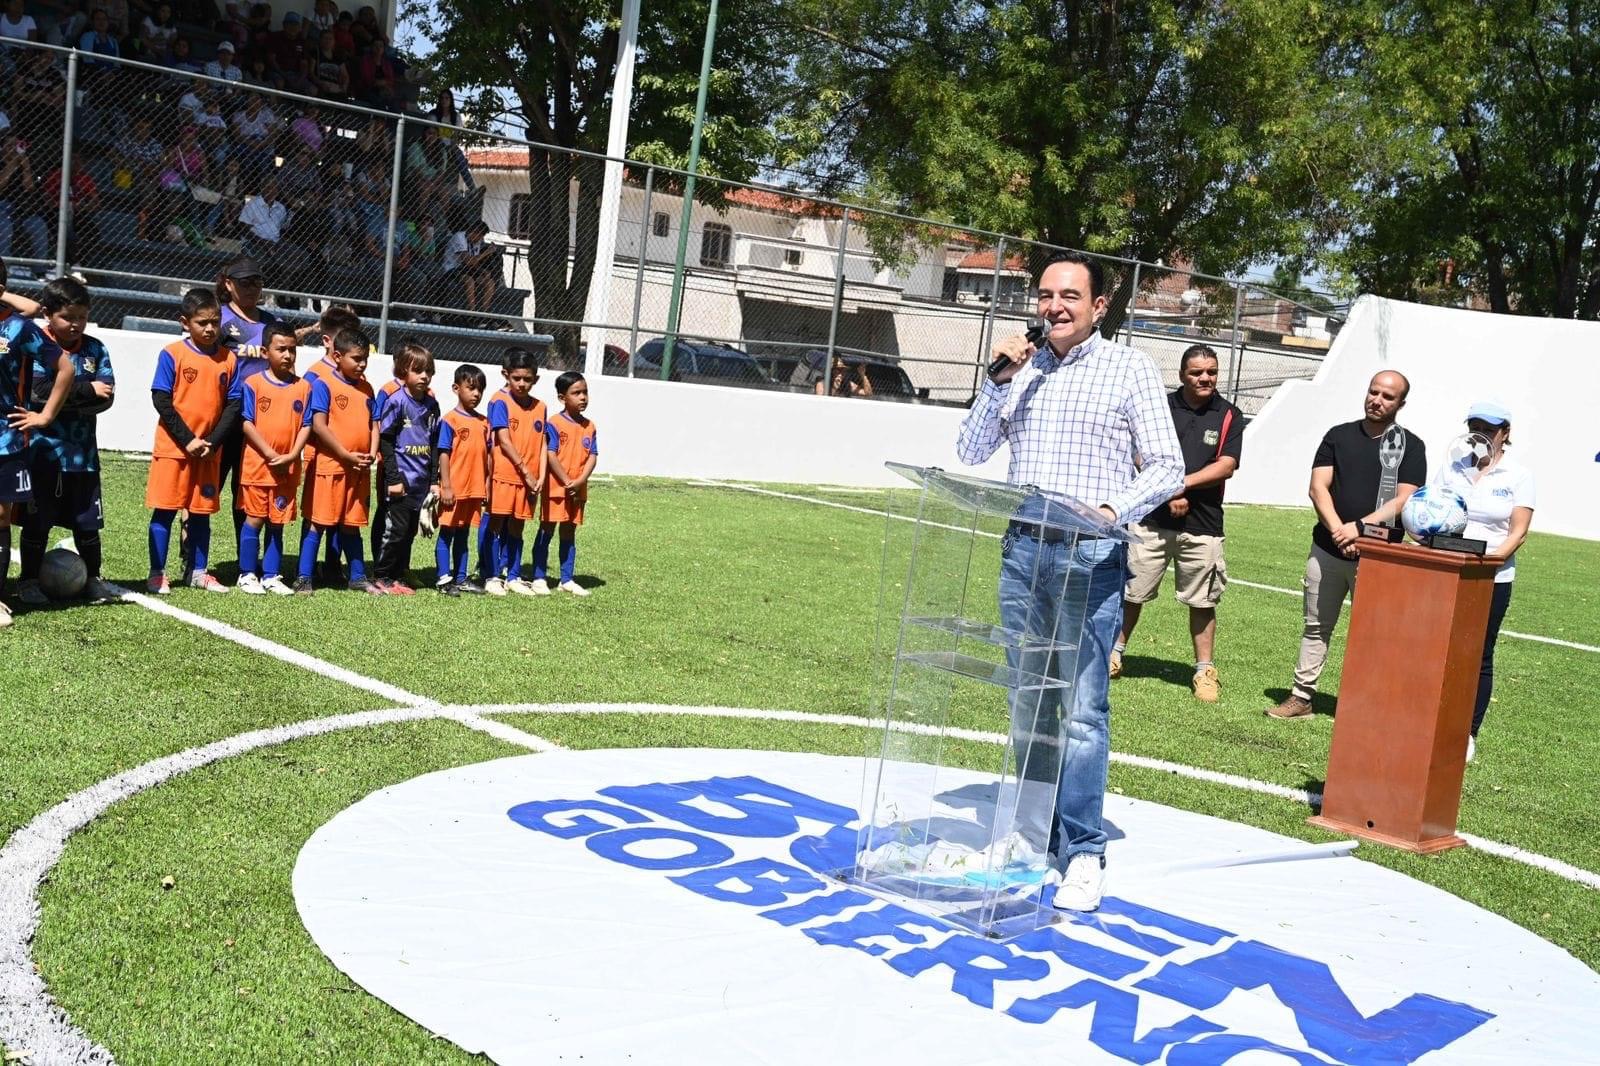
{"points": [[1087, 418]]}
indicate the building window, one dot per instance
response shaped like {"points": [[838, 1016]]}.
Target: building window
{"points": [[716, 245], [793, 256], [520, 225], [660, 224]]}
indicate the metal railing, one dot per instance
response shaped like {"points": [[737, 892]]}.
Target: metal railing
{"points": [[467, 238]]}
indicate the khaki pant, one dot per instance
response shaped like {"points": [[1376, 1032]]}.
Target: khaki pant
{"points": [[1201, 573], [1329, 578]]}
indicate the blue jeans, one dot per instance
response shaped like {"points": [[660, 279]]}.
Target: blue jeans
{"points": [[1045, 591]]}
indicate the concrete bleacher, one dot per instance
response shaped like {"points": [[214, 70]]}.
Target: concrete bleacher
{"points": [[456, 343]]}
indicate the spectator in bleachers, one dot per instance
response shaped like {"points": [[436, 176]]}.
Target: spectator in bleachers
{"points": [[119, 19], [181, 58], [444, 110], [473, 264], [141, 156], [16, 24], [425, 167], [267, 217], [197, 13], [39, 93], [366, 25], [343, 34], [299, 183], [324, 15], [223, 66], [99, 39], [290, 52], [258, 25], [157, 32], [83, 206], [257, 69], [65, 29], [225, 211], [376, 81], [185, 166], [374, 144], [307, 129], [255, 132], [19, 200], [330, 68], [372, 203]]}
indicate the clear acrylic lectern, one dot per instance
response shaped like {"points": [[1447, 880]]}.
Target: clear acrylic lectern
{"points": [[978, 854]]}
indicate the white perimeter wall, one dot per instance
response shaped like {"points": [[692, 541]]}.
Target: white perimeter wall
{"points": [[655, 428], [1547, 372]]}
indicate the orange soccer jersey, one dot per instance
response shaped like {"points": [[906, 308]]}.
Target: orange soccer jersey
{"points": [[466, 438], [572, 442], [526, 425], [277, 410], [337, 496], [200, 386]]}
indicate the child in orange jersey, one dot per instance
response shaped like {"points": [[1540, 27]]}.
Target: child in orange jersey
{"points": [[574, 449], [517, 421], [464, 468], [275, 433], [196, 395], [344, 428], [335, 317]]}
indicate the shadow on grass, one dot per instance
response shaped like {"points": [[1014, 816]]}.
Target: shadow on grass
{"points": [[1172, 673]]}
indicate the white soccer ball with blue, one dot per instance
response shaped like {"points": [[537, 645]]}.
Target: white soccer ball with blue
{"points": [[1434, 511]]}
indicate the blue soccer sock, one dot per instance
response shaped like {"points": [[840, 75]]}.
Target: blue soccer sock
{"points": [[160, 539], [308, 551], [569, 559], [541, 552], [197, 541], [488, 551], [249, 549], [350, 544], [272, 560], [460, 542], [513, 556], [441, 555]]}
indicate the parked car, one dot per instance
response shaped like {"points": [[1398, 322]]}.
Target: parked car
{"points": [[705, 363], [616, 361], [888, 378]]}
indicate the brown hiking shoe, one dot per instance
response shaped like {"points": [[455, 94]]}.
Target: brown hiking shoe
{"points": [[1292, 707], [1116, 663], [1207, 686]]}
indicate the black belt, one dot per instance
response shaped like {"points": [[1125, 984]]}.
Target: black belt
{"points": [[1046, 534]]}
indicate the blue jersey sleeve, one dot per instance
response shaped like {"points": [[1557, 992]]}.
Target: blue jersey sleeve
{"points": [[372, 408], [248, 402], [321, 400], [447, 436], [592, 442], [235, 386], [387, 414], [166, 373], [499, 416], [552, 439]]}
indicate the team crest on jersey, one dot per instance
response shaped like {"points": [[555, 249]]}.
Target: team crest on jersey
{"points": [[5, 345], [265, 403], [87, 364], [208, 491], [538, 426], [189, 375], [1211, 436], [298, 407], [588, 444], [280, 502], [514, 424], [341, 402]]}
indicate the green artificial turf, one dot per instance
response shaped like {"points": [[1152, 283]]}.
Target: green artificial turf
{"points": [[702, 596]]}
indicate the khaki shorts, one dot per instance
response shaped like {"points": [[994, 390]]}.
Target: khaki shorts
{"points": [[1202, 574]]}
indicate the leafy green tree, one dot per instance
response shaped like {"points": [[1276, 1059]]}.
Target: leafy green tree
{"points": [[547, 68], [1220, 134]]}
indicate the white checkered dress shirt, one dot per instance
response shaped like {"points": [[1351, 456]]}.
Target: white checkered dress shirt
{"points": [[1075, 424]]}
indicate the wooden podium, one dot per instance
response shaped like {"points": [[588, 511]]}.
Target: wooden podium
{"points": [[1405, 699]]}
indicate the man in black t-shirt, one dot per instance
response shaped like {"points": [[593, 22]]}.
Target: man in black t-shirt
{"points": [[1344, 490], [1186, 531]]}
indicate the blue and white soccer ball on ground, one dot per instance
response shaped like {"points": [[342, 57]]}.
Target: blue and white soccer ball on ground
{"points": [[1434, 510]]}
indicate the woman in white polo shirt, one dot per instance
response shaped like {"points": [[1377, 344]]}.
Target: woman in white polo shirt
{"points": [[1499, 510]]}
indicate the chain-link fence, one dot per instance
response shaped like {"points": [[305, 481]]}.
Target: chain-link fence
{"points": [[468, 240]]}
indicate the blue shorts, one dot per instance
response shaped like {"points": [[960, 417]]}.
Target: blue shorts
{"points": [[16, 480], [68, 499]]}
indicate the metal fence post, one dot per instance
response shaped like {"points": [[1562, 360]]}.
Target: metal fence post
{"points": [[986, 334], [838, 300], [1236, 345], [388, 251], [644, 250], [64, 195], [1133, 300]]}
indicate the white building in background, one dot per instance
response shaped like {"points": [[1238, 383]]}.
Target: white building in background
{"points": [[760, 274]]}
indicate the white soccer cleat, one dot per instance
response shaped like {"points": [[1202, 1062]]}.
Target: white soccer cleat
{"points": [[1080, 889], [250, 585], [1472, 746], [5, 615], [276, 586], [521, 587], [540, 586], [495, 586], [574, 588]]}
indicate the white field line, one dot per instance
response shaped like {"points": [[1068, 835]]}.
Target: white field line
{"points": [[1561, 869], [1574, 645]]}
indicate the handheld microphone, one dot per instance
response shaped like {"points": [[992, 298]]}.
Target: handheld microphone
{"points": [[1035, 335]]}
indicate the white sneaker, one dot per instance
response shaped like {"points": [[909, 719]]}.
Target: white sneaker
{"points": [[521, 587], [1472, 746], [495, 586], [574, 588], [30, 593], [250, 584], [540, 586], [1080, 889], [275, 585], [5, 615]]}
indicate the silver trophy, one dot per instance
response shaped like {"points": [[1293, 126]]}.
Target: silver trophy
{"points": [[1391, 453]]}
